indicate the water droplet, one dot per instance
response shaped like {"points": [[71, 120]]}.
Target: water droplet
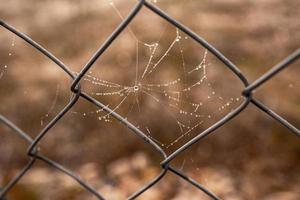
{"points": [[136, 88]]}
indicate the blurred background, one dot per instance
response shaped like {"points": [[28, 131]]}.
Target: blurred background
{"points": [[164, 83]]}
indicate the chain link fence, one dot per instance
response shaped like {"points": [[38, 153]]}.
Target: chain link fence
{"points": [[33, 151]]}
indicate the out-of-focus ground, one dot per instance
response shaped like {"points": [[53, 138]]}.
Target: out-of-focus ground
{"points": [[251, 157]]}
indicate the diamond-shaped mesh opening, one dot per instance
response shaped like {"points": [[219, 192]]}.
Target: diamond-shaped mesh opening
{"points": [[253, 170], [79, 143], [163, 82]]}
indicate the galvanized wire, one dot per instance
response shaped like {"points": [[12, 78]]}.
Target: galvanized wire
{"points": [[33, 150]]}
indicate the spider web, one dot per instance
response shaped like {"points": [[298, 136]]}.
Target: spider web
{"points": [[173, 95]]}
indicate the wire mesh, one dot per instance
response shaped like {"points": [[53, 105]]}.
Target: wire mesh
{"points": [[33, 151]]}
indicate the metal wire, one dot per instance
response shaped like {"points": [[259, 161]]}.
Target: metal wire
{"points": [[33, 150]]}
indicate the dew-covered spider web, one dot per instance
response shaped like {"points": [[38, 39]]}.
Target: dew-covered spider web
{"points": [[160, 91], [155, 84]]}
